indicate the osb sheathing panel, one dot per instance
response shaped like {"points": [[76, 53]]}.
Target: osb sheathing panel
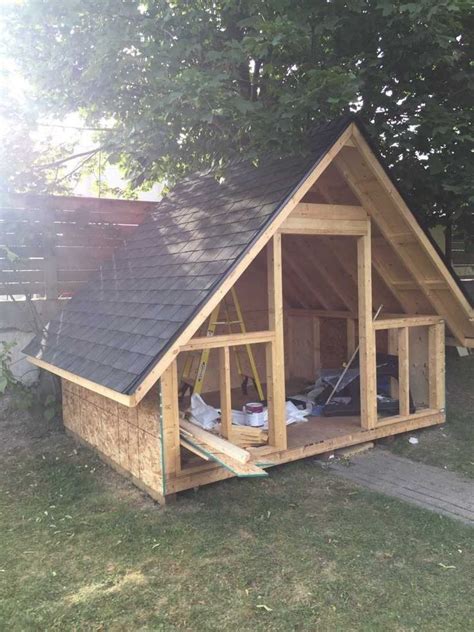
{"points": [[300, 344], [130, 437], [419, 365]]}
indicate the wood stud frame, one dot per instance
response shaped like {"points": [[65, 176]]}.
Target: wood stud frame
{"points": [[323, 220]]}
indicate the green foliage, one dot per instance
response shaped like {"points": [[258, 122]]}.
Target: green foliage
{"points": [[192, 83], [24, 397], [51, 407], [6, 376], [22, 156], [9, 254]]}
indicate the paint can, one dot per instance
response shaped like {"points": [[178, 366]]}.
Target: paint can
{"points": [[254, 414]]}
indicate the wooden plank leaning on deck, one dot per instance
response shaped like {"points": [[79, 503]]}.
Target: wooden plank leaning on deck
{"points": [[197, 446], [190, 430]]}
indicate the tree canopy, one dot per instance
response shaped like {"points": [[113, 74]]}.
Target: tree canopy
{"points": [[181, 84]]}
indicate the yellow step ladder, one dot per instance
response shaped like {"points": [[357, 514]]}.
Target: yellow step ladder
{"points": [[195, 387]]}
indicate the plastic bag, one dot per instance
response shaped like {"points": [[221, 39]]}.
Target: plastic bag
{"points": [[201, 413], [294, 414]]}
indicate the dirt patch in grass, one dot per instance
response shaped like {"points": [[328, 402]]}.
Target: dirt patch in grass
{"points": [[449, 446], [23, 431]]}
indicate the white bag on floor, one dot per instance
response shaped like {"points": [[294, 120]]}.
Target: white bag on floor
{"points": [[201, 413], [294, 414]]}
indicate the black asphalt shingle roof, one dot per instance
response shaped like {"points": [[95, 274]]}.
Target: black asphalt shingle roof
{"points": [[115, 329]]}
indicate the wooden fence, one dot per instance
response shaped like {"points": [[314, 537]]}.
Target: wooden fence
{"points": [[462, 252], [50, 245]]}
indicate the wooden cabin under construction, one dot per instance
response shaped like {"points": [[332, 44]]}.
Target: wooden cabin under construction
{"points": [[313, 248]]}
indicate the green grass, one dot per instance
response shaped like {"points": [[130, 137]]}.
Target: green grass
{"points": [[80, 549], [449, 446]]}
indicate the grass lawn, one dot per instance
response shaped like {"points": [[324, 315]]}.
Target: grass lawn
{"points": [[450, 446], [81, 549]]}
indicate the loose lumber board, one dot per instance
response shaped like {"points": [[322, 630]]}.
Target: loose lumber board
{"points": [[245, 470], [246, 436], [192, 431]]}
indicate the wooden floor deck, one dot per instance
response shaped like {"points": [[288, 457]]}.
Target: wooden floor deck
{"points": [[318, 429], [315, 436]]}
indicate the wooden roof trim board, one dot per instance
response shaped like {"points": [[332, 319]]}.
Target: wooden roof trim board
{"points": [[241, 265], [126, 400]]}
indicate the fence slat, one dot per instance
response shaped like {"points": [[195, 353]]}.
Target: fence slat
{"points": [[61, 240]]}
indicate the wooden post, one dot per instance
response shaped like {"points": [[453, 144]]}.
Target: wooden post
{"points": [[393, 350], [436, 355], [404, 370], [316, 347], [170, 458], [275, 354], [51, 285], [225, 392], [368, 371], [351, 336]]}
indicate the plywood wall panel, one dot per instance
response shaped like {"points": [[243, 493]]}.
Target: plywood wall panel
{"points": [[149, 459], [419, 366], [128, 437], [333, 343], [133, 450]]}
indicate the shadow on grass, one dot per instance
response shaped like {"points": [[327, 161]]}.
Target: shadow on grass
{"points": [[301, 550]]}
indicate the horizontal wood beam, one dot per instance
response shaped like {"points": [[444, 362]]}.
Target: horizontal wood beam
{"points": [[413, 417], [408, 321], [228, 340], [329, 211], [433, 284], [320, 313], [343, 315], [314, 226]]}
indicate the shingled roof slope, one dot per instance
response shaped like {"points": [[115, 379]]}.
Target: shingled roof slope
{"points": [[115, 329]]}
